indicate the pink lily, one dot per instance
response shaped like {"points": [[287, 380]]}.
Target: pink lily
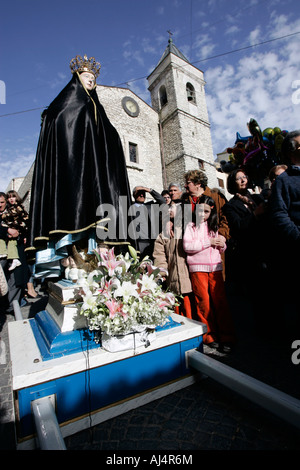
{"points": [[110, 265], [105, 289], [164, 305], [114, 308], [170, 298], [109, 261]]}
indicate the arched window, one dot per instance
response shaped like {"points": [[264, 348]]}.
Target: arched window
{"points": [[133, 152], [163, 98], [190, 93]]}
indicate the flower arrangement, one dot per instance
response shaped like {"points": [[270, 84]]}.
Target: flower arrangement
{"points": [[125, 294]]}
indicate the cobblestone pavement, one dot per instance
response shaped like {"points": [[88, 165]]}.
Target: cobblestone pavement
{"points": [[204, 416]]}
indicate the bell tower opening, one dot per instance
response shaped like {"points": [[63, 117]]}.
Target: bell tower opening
{"points": [[190, 93]]}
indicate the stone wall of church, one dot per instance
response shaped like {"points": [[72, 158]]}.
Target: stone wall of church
{"points": [[190, 74], [185, 124], [196, 137], [142, 130], [188, 149]]}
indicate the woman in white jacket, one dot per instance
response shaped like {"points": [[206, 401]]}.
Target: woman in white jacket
{"points": [[204, 246]]}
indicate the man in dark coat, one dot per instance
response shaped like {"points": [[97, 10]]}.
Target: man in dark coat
{"points": [[146, 226], [285, 197], [284, 210]]}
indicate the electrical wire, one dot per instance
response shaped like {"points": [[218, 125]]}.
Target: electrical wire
{"points": [[88, 391], [21, 112], [221, 55], [246, 47], [190, 63]]}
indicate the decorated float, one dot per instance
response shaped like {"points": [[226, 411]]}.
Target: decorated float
{"points": [[107, 342]]}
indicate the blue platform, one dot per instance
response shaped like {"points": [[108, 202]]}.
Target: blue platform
{"points": [[87, 381], [53, 343]]}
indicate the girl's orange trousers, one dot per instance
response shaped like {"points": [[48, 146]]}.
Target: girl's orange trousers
{"points": [[212, 307]]}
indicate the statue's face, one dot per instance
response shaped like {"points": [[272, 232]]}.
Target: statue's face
{"points": [[88, 79]]}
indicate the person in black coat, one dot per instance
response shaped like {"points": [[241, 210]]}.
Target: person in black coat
{"points": [[284, 201], [246, 254], [244, 213], [147, 223], [284, 214]]}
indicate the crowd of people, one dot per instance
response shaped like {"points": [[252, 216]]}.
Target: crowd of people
{"points": [[16, 280], [254, 244], [207, 242], [203, 241]]}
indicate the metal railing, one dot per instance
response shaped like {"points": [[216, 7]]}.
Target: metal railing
{"points": [[17, 310], [47, 427], [271, 399], [48, 431], [277, 402]]}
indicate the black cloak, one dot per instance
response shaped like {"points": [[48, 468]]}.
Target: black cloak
{"points": [[79, 165]]}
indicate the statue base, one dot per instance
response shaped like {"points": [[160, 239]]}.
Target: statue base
{"points": [[93, 385], [60, 330]]}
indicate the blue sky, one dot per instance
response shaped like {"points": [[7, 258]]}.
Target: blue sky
{"points": [[39, 38]]}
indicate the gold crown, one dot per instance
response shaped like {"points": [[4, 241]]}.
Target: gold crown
{"points": [[79, 64]]}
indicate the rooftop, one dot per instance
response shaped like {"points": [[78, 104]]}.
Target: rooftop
{"points": [[171, 48]]}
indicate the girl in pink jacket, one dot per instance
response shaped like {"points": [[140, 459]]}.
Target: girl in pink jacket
{"points": [[204, 246]]}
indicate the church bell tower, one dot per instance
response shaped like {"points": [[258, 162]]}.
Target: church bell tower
{"points": [[178, 96]]}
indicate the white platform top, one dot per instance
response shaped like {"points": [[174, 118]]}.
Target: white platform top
{"points": [[29, 369]]}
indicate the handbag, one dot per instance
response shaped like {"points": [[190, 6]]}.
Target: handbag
{"points": [[3, 283]]}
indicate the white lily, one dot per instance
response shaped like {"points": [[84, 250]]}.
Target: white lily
{"points": [[126, 261], [89, 301], [126, 290], [123, 295], [147, 283], [88, 283]]}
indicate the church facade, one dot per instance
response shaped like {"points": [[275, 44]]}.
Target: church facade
{"points": [[163, 141], [178, 96]]}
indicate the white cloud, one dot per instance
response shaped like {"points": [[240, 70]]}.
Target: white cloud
{"points": [[147, 46], [18, 167], [58, 81], [203, 46], [257, 85], [232, 30], [254, 36]]}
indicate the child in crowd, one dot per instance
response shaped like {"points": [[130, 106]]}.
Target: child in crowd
{"points": [[14, 216], [169, 254], [204, 246]]}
